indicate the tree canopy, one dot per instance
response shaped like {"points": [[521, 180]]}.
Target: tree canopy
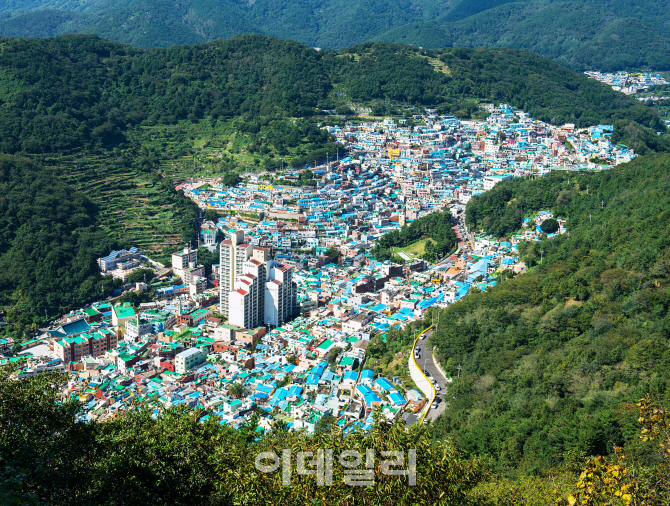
{"points": [[551, 358]]}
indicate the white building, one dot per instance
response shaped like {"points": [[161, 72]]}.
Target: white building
{"points": [[280, 294], [182, 260], [136, 328], [491, 181], [232, 255], [246, 302], [264, 294], [188, 359]]}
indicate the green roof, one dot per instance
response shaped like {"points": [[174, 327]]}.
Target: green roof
{"points": [[347, 361], [124, 312], [325, 345]]}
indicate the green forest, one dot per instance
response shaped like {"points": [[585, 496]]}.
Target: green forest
{"points": [[81, 91], [583, 35], [580, 34], [551, 359], [437, 226], [49, 241]]}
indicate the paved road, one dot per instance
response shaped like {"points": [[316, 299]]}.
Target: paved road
{"points": [[426, 363]]}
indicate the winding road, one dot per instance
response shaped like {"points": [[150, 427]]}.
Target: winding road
{"points": [[427, 364]]}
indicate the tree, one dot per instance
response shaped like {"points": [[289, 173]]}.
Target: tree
{"points": [[549, 226], [236, 389], [231, 179], [332, 356], [333, 254], [140, 275], [211, 215]]}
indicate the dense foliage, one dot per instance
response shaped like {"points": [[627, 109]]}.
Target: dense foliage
{"points": [[80, 91], [177, 458], [75, 91], [550, 358], [582, 35], [151, 23], [48, 243], [437, 226]]}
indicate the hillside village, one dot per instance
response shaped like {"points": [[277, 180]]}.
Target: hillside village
{"points": [[628, 83], [283, 326]]}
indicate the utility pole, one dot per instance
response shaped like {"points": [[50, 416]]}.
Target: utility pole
{"points": [[587, 188], [459, 370], [541, 255], [602, 204]]}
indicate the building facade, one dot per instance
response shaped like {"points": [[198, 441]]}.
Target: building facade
{"points": [[188, 359], [264, 294], [232, 255], [182, 260]]}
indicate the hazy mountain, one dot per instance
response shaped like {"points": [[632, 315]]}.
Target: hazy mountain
{"points": [[581, 34], [586, 34]]}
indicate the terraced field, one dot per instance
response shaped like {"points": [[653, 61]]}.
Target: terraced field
{"points": [[129, 185]]}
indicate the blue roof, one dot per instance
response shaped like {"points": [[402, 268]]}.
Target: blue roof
{"points": [[263, 388], [294, 391], [364, 389], [369, 399], [396, 398], [367, 374], [383, 383], [75, 327], [351, 375], [280, 394]]}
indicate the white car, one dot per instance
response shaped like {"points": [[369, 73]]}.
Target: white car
{"points": [[438, 388]]}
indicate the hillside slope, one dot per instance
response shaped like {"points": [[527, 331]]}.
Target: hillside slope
{"points": [[72, 91], [150, 23], [580, 34], [551, 358], [589, 35]]}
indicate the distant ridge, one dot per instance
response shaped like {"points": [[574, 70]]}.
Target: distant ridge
{"points": [[582, 35]]}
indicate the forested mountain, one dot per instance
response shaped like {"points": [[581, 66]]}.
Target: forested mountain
{"points": [[150, 23], [551, 358], [73, 91], [49, 241], [581, 34], [584, 35]]}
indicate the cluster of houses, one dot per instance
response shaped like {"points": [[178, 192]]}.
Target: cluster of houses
{"points": [[181, 349], [629, 83]]}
